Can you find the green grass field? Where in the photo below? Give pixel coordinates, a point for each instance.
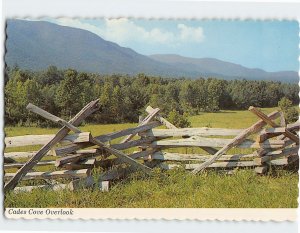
(176, 188)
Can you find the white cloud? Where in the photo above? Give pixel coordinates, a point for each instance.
(190, 33)
(124, 30)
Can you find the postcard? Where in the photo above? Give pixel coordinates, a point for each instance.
(127, 118)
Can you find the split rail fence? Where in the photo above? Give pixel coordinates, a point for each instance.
(154, 140)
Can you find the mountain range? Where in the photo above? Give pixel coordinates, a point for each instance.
(35, 45)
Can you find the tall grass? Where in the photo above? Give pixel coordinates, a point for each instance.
(175, 189)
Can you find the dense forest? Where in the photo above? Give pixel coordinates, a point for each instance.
(123, 98)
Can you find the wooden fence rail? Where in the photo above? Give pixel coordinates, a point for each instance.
(80, 152)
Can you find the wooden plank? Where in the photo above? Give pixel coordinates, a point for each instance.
(29, 154)
(52, 175)
(276, 154)
(261, 170)
(120, 146)
(105, 138)
(167, 156)
(162, 120)
(70, 126)
(213, 165)
(81, 183)
(129, 131)
(72, 186)
(116, 161)
(189, 132)
(261, 152)
(86, 164)
(126, 159)
(31, 140)
(18, 165)
(269, 121)
(85, 112)
(294, 126)
(270, 133)
(104, 186)
(236, 141)
(284, 161)
(17, 155)
(215, 142)
(53, 187)
(144, 122)
(282, 120)
(277, 162)
(169, 125)
(51, 117)
(73, 158)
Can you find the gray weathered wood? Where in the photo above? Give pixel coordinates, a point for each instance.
(30, 140)
(120, 146)
(86, 164)
(17, 154)
(282, 120)
(53, 187)
(72, 186)
(72, 158)
(108, 137)
(277, 162)
(116, 161)
(126, 159)
(215, 142)
(284, 161)
(162, 120)
(294, 126)
(144, 122)
(270, 133)
(261, 169)
(52, 175)
(51, 117)
(236, 141)
(81, 183)
(167, 156)
(213, 165)
(18, 165)
(189, 132)
(169, 125)
(85, 112)
(269, 121)
(141, 118)
(261, 152)
(129, 131)
(104, 186)
(29, 154)
(276, 154)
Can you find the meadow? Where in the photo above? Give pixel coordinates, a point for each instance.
(172, 189)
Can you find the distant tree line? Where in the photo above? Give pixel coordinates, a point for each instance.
(123, 98)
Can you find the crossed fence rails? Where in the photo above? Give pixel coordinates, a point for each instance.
(77, 154)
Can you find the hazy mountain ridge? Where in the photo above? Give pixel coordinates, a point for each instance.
(212, 66)
(35, 45)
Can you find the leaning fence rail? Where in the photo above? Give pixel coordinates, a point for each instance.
(74, 156)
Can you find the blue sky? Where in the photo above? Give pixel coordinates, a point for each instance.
(269, 45)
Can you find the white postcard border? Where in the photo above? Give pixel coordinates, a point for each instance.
(221, 214)
(285, 11)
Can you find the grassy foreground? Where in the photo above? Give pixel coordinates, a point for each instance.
(177, 188)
